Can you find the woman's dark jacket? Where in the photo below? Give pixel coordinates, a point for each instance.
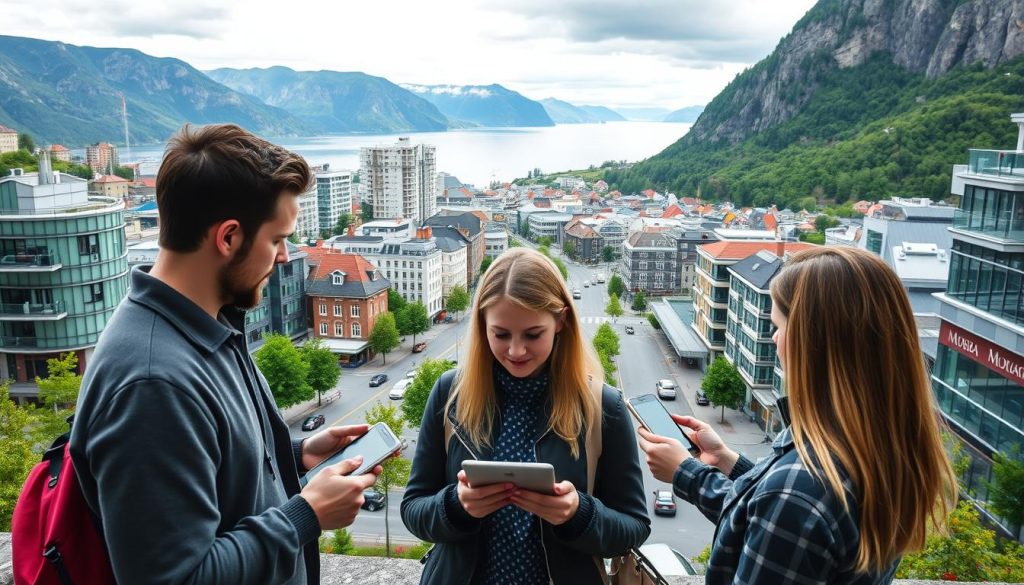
(605, 525)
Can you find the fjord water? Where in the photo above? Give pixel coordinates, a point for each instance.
(477, 155)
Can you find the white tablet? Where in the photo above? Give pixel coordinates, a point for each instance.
(536, 477)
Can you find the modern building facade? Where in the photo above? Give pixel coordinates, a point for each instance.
(287, 294)
(549, 224)
(906, 220)
(401, 180)
(63, 269)
(471, 224)
(978, 376)
(454, 250)
(748, 335)
(307, 223)
(690, 234)
(495, 242)
(334, 197)
(346, 295)
(102, 157)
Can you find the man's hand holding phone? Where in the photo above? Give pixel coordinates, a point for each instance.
(335, 496)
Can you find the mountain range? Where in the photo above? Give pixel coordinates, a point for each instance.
(565, 113)
(483, 105)
(862, 99)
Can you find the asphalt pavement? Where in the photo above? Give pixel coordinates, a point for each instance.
(645, 358)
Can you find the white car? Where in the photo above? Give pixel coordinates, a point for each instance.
(411, 374)
(668, 561)
(586, 284)
(576, 294)
(397, 391)
(666, 389)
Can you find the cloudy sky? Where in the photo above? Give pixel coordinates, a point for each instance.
(624, 53)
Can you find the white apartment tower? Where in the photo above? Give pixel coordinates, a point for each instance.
(401, 180)
(334, 197)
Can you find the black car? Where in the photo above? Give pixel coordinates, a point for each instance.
(372, 500)
(313, 422)
(702, 398)
(629, 330)
(378, 380)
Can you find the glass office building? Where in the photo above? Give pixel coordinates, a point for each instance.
(63, 270)
(978, 376)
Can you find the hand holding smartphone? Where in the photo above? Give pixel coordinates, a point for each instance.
(375, 446)
(652, 414)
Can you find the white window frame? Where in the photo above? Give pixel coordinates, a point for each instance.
(357, 330)
(339, 329)
(323, 328)
(337, 309)
(354, 310)
(323, 309)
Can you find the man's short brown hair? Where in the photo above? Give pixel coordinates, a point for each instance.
(218, 172)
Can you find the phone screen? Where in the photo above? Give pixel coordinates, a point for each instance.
(652, 413)
(375, 446)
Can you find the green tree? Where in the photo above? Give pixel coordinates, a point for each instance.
(639, 302)
(616, 286)
(562, 268)
(25, 142)
(608, 254)
(396, 302)
(546, 241)
(824, 222)
(969, 552)
(413, 320)
(1006, 492)
(723, 385)
(365, 212)
(344, 220)
(323, 371)
(569, 249)
(16, 456)
(606, 340)
(285, 370)
(81, 171)
(653, 320)
(416, 394)
(396, 469)
(485, 264)
(614, 308)
(126, 173)
(294, 238)
(813, 238)
(609, 368)
(458, 300)
(337, 542)
(59, 389)
(384, 335)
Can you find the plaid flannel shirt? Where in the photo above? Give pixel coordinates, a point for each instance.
(776, 522)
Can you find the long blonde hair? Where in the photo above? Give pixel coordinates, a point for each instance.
(531, 280)
(859, 391)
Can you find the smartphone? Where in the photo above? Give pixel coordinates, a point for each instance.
(536, 477)
(375, 446)
(651, 413)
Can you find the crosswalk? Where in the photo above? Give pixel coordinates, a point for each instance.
(595, 320)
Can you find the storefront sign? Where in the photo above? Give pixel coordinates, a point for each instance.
(1000, 360)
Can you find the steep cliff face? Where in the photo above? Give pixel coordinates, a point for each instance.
(924, 36)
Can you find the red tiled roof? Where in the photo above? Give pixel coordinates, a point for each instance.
(58, 148)
(147, 182)
(740, 250)
(327, 260)
(770, 223)
(691, 201)
(6, 130)
(672, 211)
(110, 179)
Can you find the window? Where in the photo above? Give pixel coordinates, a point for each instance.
(323, 309)
(96, 292)
(643, 266)
(356, 330)
(88, 245)
(339, 329)
(354, 312)
(874, 242)
(337, 309)
(338, 278)
(323, 328)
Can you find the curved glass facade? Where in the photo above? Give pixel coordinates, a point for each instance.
(62, 274)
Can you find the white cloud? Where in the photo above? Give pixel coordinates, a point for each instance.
(668, 53)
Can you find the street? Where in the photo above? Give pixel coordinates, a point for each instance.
(644, 358)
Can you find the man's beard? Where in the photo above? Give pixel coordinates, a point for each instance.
(239, 294)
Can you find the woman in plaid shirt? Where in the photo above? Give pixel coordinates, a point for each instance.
(860, 473)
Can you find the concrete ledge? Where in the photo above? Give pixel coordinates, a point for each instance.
(343, 570)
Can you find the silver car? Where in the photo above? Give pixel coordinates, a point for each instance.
(666, 389)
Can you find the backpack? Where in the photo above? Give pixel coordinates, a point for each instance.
(54, 538)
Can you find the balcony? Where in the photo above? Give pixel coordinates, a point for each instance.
(46, 344)
(30, 263)
(1007, 164)
(32, 311)
(1006, 227)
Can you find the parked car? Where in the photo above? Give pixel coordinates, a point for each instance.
(629, 330)
(586, 284)
(372, 500)
(419, 347)
(664, 503)
(576, 294)
(378, 380)
(411, 373)
(666, 389)
(313, 422)
(397, 391)
(668, 561)
(702, 399)
(600, 278)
